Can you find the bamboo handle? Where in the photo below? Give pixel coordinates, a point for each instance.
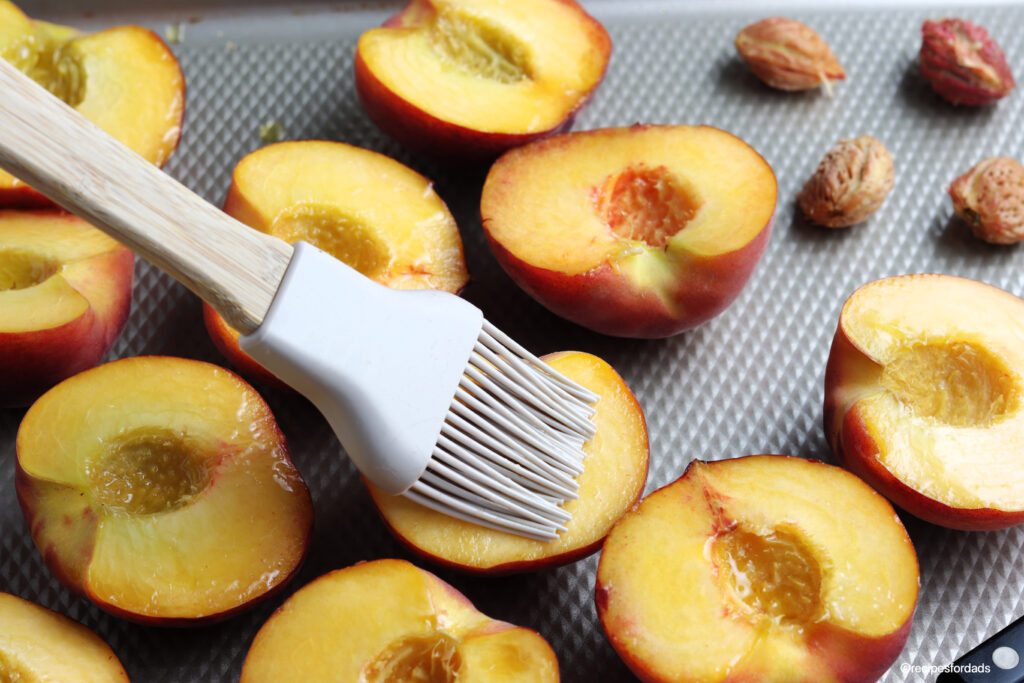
(69, 159)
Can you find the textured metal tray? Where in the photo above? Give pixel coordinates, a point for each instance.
(749, 381)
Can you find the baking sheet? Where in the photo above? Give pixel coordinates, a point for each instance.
(749, 381)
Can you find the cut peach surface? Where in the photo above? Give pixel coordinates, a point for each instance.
(365, 209)
(65, 294)
(123, 79)
(38, 645)
(615, 471)
(762, 568)
(643, 231)
(162, 490)
(923, 397)
(468, 79)
(387, 621)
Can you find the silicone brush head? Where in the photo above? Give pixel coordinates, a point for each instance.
(512, 443)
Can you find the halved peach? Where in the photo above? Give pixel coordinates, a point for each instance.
(636, 232)
(763, 568)
(365, 209)
(464, 80)
(385, 621)
(162, 490)
(65, 294)
(924, 397)
(123, 79)
(37, 644)
(615, 471)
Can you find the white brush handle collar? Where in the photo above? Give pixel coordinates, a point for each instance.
(343, 341)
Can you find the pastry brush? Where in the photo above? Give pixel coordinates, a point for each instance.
(428, 399)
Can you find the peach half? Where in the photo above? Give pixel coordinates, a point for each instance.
(65, 294)
(386, 620)
(763, 568)
(37, 644)
(464, 80)
(123, 79)
(643, 231)
(365, 209)
(162, 490)
(615, 471)
(924, 397)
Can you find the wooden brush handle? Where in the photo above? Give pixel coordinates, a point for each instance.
(54, 149)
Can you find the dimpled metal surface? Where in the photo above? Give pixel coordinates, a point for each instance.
(749, 381)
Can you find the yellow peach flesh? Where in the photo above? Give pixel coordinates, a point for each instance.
(342, 199)
(43, 51)
(14, 26)
(816, 545)
(867, 541)
(945, 408)
(38, 645)
(102, 76)
(42, 259)
(55, 64)
(419, 625)
(498, 654)
(149, 125)
(181, 462)
(615, 470)
(670, 564)
(499, 67)
(28, 309)
(690, 190)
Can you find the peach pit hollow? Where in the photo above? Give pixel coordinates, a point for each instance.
(772, 574)
(958, 383)
(429, 658)
(147, 471)
(11, 670)
(478, 47)
(53, 64)
(343, 236)
(644, 204)
(21, 269)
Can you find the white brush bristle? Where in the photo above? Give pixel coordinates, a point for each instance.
(512, 443)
